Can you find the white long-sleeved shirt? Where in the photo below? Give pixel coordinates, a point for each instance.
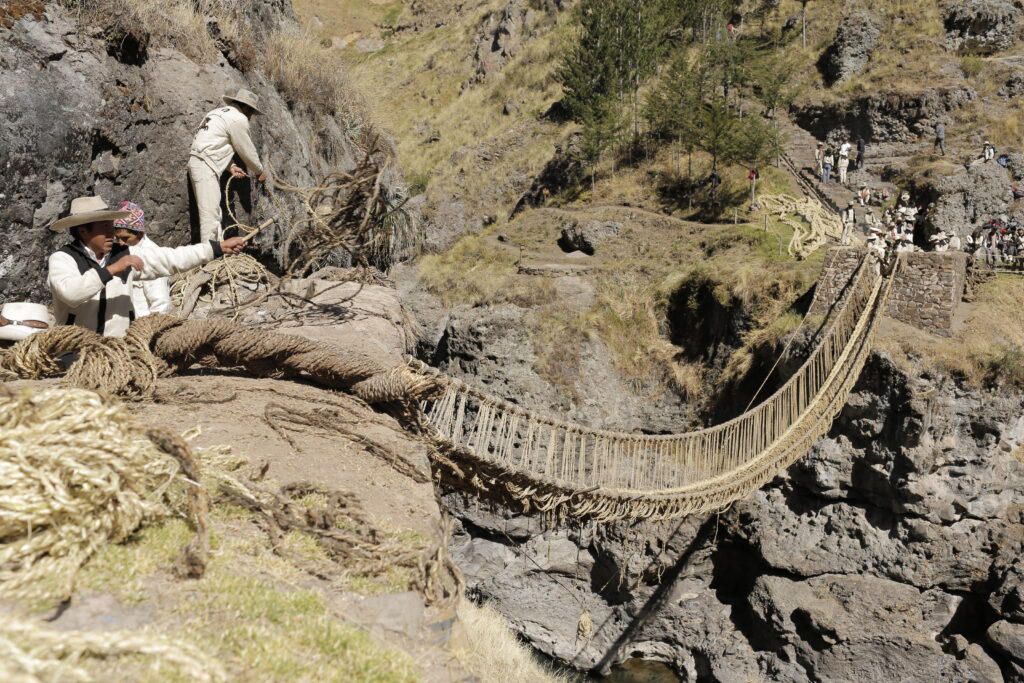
(224, 132)
(86, 294)
(150, 296)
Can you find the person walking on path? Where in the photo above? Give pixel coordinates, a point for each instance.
(819, 155)
(860, 154)
(223, 133)
(940, 138)
(148, 296)
(91, 278)
(849, 217)
(844, 159)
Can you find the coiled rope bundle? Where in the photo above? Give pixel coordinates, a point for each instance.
(76, 473)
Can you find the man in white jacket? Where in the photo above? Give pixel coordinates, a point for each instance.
(91, 279)
(148, 296)
(223, 133)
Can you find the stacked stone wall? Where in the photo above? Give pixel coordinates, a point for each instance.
(925, 294)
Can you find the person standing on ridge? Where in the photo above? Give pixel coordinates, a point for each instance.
(819, 155)
(860, 153)
(988, 151)
(223, 133)
(827, 160)
(940, 138)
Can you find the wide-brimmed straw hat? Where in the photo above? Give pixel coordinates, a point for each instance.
(87, 210)
(246, 97)
(22, 319)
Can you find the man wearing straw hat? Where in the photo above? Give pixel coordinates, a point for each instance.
(91, 278)
(223, 133)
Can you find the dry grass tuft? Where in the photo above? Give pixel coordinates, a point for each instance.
(493, 654)
(305, 72)
(988, 348)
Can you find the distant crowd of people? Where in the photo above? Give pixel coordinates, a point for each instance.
(903, 226)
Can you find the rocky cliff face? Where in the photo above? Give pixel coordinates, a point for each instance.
(890, 552)
(111, 110)
(884, 117)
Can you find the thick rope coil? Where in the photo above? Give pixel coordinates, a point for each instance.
(823, 223)
(77, 472)
(159, 345)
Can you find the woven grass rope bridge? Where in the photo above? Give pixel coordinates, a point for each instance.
(492, 447)
(509, 452)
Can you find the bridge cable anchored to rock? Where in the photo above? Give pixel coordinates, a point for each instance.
(492, 447)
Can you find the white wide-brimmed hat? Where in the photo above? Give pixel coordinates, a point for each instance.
(246, 97)
(87, 210)
(939, 236)
(22, 319)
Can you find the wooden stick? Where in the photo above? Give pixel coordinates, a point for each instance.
(258, 229)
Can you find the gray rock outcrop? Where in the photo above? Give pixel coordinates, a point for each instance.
(892, 551)
(981, 25)
(1014, 85)
(971, 197)
(885, 117)
(500, 37)
(586, 237)
(98, 110)
(850, 52)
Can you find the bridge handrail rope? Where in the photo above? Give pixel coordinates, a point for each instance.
(569, 469)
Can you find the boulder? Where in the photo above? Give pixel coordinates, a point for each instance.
(500, 37)
(971, 197)
(981, 25)
(586, 237)
(1014, 85)
(851, 50)
(832, 624)
(1009, 639)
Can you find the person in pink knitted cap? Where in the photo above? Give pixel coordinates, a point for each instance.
(148, 296)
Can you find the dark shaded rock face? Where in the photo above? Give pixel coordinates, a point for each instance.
(884, 117)
(892, 551)
(981, 25)
(851, 50)
(491, 348)
(87, 113)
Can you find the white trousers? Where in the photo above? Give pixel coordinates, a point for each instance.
(844, 163)
(206, 186)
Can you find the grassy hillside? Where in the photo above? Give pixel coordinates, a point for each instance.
(481, 140)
